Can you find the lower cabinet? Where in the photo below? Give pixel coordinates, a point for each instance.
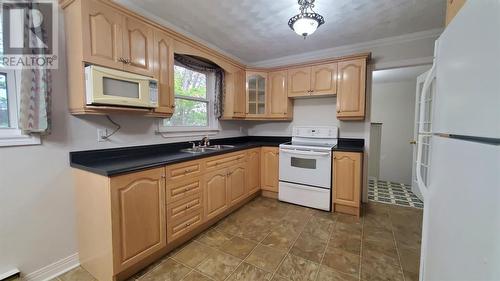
(269, 168)
(138, 216)
(216, 193)
(253, 171)
(347, 177)
(236, 183)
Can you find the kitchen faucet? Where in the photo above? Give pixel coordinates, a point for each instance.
(205, 141)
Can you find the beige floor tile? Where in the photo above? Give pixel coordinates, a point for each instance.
(351, 244)
(196, 276)
(347, 228)
(386, 247)
(280, 239)
(379, 256)
(169, 270)
(214, 238)
(77, 274)
(309, 247)
(218, 265)
(298, 269)
(238, 247)
(266, 258)
(341, 260)
(193, 254)
(410, 259)
(248, 272)
(377, 233)
(349, 219)
(329, 274)
(410, 276)
(374, 270)
(279, 278)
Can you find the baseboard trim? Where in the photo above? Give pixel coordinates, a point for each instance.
(55, 269)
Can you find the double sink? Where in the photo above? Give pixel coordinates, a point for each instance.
(203, 149)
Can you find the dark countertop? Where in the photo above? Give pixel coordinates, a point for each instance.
(114, 161)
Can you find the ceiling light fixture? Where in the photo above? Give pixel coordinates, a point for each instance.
(307, 21)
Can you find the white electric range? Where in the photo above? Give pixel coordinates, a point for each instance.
(305, 167)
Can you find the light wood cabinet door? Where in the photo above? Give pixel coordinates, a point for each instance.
(324, 79)
(164, 72)
(253, 171)
(216, 193)
(256, 88)
(270, 168)
(239, 94)
(138, 46)
(236, 178)
(347, 175)
(102, 30)
(278, 96)
(299, 81)
(138, 216)
(351, 90)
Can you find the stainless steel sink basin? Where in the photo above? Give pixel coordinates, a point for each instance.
(219, 146)
(207, 148)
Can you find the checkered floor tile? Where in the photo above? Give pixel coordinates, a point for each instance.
(393, 193)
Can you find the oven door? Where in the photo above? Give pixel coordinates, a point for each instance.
(313, 168)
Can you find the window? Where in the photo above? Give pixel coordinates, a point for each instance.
(194, 96)
(9, 95)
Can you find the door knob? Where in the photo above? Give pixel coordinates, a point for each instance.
(413, 142)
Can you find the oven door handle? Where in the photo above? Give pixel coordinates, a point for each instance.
(308, 153)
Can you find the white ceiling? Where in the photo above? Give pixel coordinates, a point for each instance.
(399, 74)
(257, 30)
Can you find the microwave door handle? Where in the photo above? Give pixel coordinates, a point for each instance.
(308, 153)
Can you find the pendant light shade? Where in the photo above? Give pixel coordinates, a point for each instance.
(306, 23)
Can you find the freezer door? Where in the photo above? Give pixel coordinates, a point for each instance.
(461, 228)
(468, 73)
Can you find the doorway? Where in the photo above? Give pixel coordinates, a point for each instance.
(392, 136)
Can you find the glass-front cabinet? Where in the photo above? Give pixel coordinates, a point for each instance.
(256, 93)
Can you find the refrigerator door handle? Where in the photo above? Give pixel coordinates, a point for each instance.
(421, 133)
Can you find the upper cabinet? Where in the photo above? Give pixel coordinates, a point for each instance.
(102, 29)
(351, 90)
(114, 40)
(235, 97)
(452, 8)
(316, 80)
(280, 105)
(256, 93)
(164, 72)
(138, 46)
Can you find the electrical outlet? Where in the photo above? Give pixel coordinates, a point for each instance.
(101, 135)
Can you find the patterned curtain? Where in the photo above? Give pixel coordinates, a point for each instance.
(202, 65)
(36, 92)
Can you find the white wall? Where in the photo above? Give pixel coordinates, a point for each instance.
(393, 105)
(37, 215)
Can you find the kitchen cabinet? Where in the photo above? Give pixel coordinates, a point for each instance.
(351, 89)
(102, 30)
(452, 8)
(138, 46)
(269, 168)
(347, 177)
(236, 179)
(216, 193)
(138, 216)
(164, 72)
(316, 80)
(279, 104)
(235, 97)
(256, 87)
(253, 171)
(114, 40)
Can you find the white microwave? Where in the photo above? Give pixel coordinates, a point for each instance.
(106, 86)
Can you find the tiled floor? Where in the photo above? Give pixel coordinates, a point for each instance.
(393, 193)
(270, 240)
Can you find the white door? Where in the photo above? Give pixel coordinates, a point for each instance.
(427, 104)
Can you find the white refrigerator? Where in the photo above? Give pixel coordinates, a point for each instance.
(461, 227)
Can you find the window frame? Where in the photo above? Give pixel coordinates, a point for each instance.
(13, 136)
(212, 127)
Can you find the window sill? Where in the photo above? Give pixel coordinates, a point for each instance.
(14, 137)
(170, 132)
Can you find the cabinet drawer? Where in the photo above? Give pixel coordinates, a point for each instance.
(224, 161)
(179, 190)
(183, 170)
(177, 228)
(181, 208)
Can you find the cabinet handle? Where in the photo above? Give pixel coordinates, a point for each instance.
(187, 207)
(163, 176)
(186, 189)
(121, 60)
(188, 224)
(187, 171)
(128, 61)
